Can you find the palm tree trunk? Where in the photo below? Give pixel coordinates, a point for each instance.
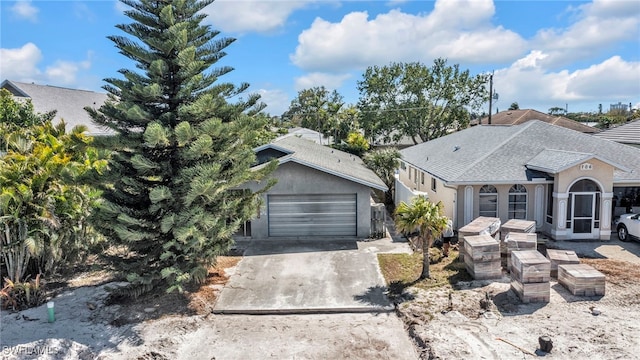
(425, 259)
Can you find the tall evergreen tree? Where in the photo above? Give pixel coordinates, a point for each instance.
(183, 150)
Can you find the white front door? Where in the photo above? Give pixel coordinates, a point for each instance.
(583, 219)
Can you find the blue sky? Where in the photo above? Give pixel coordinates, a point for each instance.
(543, 53)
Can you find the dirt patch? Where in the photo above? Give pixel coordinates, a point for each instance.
(485, 319)
(196, 300)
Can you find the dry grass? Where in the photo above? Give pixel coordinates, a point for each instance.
(402, 270)
(202, 299)
(616, 271)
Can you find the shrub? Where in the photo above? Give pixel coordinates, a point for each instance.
(22, 295)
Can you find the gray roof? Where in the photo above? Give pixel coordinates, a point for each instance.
(69, 103)
(518, 153)
(628, 133)
(325, 159)
(309, 135)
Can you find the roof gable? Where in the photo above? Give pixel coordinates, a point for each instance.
(555, 161)
(325, 159)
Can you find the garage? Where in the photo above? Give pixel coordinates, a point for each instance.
(312, 215)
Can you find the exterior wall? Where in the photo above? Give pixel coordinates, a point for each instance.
(462, 203)
(420, 182)
(469, 210)
(298, 179)
(599, 172)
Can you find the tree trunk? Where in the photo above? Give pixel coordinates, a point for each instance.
(425, 259)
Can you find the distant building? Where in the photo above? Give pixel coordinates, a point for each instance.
(620, 108)
(68, 103)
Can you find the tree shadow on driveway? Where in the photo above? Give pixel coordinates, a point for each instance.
(375, 296)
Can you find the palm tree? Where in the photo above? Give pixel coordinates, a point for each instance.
(427, 218)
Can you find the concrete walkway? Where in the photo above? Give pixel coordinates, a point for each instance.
(295, 277)
(610, 249)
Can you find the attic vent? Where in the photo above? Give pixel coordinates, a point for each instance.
(456, 148)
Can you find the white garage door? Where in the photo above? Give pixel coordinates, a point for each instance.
(312, 215)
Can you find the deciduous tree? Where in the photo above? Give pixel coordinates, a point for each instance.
(420, 102)
(384, 163)
(316, 108)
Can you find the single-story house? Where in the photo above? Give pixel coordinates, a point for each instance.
(570, 183)
(628, 133)
(321, 193)
(520, 116)
(69, 103)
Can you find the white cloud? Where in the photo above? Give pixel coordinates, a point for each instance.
(531, 61)
(277, 101)
(316, 79)
(20, 64)
(82, 12)
(610, 81)
(460, 31)
(24, 10)
(65, 72)
(599, 25)
(611, 78)
(244, 16)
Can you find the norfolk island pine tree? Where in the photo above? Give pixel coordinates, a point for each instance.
(182, 151)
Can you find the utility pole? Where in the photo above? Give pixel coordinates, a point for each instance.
(490, 95)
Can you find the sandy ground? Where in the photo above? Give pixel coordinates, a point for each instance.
(600, 327)
(82, 333)
(442, 324)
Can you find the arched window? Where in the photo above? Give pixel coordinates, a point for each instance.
(488, 201)
(518, 202)
(584, 185)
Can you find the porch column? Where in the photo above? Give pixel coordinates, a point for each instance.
(538, 208)
(605, 215)
(468, 204)
(561, 215)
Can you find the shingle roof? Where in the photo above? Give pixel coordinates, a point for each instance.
(309, 135)
(517, 117)
(628, 133)
(69, 103)
(326, 159)
(554, 161)
(495, 154)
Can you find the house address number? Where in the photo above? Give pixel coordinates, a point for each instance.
(586, 166)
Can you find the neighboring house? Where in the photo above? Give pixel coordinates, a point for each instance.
(308, 134)
(570, 183)
(69, 103)
(517, 117)
(321, 193)
(628, 133)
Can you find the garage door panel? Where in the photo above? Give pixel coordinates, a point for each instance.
(312, 215)
(313, 230)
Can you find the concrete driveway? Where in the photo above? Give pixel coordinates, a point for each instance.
(308, 277)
